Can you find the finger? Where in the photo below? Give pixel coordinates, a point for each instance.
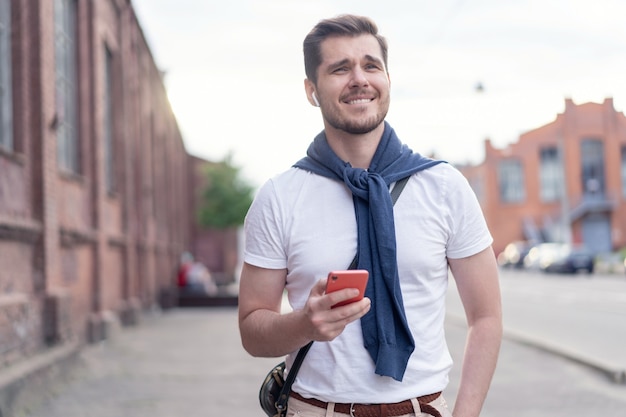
(336, 319)
(342, 296)
(319, 287)
(342, 315)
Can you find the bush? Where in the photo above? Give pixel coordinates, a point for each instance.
(226, 199)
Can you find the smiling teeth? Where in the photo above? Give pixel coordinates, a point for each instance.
(360, 101)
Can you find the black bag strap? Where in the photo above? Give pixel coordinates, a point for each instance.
(283, 397)
(281, 402)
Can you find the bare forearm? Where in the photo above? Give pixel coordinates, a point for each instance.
(266, 333)
(479, 363)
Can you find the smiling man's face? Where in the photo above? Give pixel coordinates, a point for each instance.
(352, 84)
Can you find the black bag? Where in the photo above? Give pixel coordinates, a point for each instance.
(270, 390)
(275, 390)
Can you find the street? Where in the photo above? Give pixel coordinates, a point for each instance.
(190, 361)
(547, 317)
(580, 316)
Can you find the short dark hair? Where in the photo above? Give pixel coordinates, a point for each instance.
(343, 25)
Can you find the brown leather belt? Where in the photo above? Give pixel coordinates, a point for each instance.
(377, 410)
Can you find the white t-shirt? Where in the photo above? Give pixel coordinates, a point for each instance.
(306, 223)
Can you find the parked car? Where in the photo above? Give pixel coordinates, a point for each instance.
(514, 254)
(539, 255)
(563, 258)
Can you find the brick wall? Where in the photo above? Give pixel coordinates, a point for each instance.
(73, 251)
(578, 122)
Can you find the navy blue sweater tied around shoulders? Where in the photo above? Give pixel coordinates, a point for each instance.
(386, 333)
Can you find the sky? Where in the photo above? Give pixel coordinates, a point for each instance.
(234, 71)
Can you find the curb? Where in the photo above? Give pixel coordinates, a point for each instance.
(613, 372)
(22, 383)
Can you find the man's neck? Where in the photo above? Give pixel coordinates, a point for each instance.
(357, 149)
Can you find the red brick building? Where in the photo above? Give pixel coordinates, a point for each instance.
(217, 249)
(96, 187)
(563, 182)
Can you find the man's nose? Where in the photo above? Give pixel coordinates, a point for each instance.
(359, 78)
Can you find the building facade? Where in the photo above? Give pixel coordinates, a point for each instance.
(95, 181)
(562, 182)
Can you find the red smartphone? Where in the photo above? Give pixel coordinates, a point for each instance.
(351, 278)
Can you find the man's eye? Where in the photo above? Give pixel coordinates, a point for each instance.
(340, 69)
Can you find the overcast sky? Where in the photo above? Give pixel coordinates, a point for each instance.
(234, 70)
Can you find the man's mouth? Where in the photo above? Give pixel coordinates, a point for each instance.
(360, 101)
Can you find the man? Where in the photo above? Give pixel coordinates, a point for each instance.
(386, 354)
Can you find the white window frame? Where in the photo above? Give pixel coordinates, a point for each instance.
(623, 170)
(66, 84)
(108, 120)
(511, 181)
(6, 95)
(550, 175)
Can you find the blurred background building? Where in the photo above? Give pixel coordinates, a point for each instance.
(562, 182)
(97, 191)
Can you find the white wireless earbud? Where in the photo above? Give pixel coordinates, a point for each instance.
(317, 103)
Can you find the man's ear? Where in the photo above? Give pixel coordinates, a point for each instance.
(315, 100)
(309, 88)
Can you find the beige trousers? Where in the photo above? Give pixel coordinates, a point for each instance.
(297, 408)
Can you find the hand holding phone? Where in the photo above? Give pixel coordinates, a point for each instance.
(352, 278)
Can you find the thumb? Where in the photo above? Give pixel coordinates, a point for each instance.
(319, 288)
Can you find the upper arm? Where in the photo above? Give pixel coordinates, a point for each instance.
(260, 289)
(478, 284)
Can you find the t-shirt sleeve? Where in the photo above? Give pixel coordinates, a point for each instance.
(470, 234)
(263, 234)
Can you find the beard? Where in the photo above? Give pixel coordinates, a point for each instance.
(356, 125)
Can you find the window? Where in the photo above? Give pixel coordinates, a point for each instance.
(6, 106)
(550, 175)
(66, 84)
(623, 171)
(511, 181)
(108, 128)
(592, 155)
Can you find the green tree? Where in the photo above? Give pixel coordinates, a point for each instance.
(226, 198)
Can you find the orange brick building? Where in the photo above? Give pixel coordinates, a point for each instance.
(97, 192)
(562, 182)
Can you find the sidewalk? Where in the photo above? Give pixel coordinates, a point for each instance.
(194, 354)
(190, 363)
